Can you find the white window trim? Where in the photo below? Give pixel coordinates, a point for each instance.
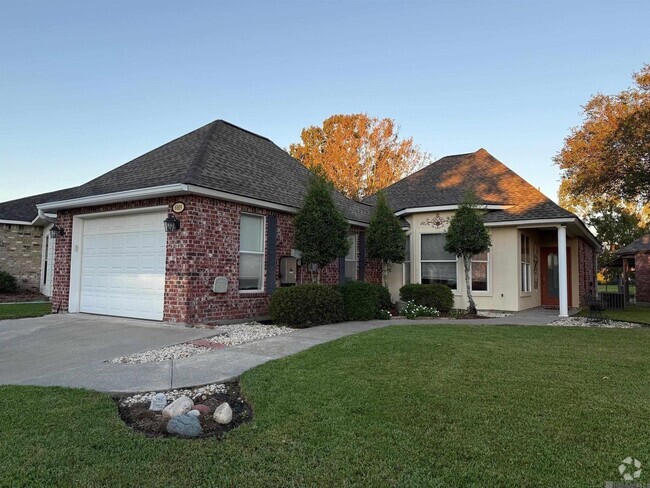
(487, 292)
(529, 292)
(355, 243)
(457, 290)
(263, 254)
(409, 263)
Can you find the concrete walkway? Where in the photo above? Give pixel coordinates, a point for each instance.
(86, 367)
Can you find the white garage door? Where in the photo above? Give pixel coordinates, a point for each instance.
(123, 265)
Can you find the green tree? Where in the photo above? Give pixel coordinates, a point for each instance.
(607, 158)
(320, 228)
(616, 226)
(386, 240)
(466, 237)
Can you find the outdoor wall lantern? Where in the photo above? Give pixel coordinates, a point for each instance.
(56, 231)
(172, 223)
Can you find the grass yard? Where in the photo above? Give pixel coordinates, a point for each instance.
(409, 405)
(634, 313)
(22, 310)
(614, 289)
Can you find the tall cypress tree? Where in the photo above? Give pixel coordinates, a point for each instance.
(321, 229)
(466, 237)
(385, 238)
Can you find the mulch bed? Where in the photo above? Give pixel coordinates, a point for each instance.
(23, 296)
(152, 424)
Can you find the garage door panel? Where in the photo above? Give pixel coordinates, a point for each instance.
(123, 266)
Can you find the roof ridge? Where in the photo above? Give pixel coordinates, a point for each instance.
(244, 130)
(197, 163)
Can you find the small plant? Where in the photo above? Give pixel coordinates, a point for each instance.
(457, 313)
(384, 315)
(413, 311)
(8, 283)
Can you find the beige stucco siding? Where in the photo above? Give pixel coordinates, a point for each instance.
(504, 268)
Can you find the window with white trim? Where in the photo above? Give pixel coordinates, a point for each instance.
(251, 252)
(407, 261)
(480, 275)
(436, 264)
(525, 263)
(351, 260)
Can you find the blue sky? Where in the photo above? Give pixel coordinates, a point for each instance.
(86, 86)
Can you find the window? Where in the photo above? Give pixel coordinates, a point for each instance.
(407, 261)
(351, 259)
(251, 252)
(437, 265)
(525, 263)
(480, 270)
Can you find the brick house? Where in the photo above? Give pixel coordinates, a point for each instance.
(234, 194)
(637, 255)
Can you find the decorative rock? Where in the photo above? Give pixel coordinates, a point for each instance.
(194, 413)
(180, 406)
(223, 414)
(158, 402)
(184, 426)
(204, 409)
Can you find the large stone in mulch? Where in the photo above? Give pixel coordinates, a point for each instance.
(180, 406)
(184, 426)
(158, 402)
(223, 414)
(204, 409)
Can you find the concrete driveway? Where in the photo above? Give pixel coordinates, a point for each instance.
(55, 345)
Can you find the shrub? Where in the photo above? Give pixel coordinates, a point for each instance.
(8, 283)
(365, 301)
(413, 311)
(437, 296)
(307, 305)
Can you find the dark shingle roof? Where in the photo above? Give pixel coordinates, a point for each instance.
(640, 245)
(224, 157)
(445, 181)
(24, 209)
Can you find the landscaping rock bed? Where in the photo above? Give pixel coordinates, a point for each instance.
(199, 422)
(585, 322)
(226, 335)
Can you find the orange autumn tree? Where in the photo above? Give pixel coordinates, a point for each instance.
(359, 154)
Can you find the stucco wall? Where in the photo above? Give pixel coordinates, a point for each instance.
(20, 254)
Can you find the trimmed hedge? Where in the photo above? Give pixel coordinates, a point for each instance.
(308, 305)
(438, 296)
(8, 283)
(364, 301)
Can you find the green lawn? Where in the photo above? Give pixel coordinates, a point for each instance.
(21, 310)
(633, 313)
(409, 405)
(614, 289)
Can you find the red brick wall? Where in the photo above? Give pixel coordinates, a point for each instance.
(642, 273)
(587, 266)
(206, 246)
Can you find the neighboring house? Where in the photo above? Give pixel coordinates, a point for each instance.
(637, 255)
(234, 194)
(26, 250)
(541, 255)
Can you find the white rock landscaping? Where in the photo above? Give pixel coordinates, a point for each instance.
(225, 335)
(197, 394)
(223, 414)
(180, 406)
(585, 322)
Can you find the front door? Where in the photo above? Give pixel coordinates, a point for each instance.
(550, 274)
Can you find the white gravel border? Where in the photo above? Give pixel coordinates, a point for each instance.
(585, 322)
(228, 335)
(196, 394)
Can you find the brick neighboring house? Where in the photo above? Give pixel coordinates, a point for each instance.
(637, 255)
(26, 251)
(234, 194)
